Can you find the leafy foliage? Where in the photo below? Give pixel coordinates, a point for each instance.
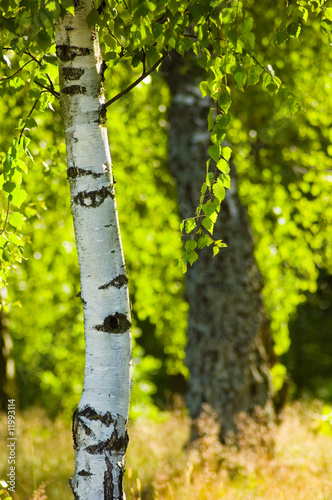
(220, 34)
(287, 189)
(283, 164)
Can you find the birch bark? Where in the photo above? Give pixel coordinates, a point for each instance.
(100, 421)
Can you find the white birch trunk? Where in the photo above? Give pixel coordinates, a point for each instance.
(100, 421)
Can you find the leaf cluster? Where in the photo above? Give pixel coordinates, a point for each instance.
(11, 174)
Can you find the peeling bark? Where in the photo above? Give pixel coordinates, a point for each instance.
(229, 350)
(100, 421)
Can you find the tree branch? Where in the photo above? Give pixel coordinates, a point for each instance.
(7, 217)
(51, 90)
(16, 72)
(31, 111)
(136, 82)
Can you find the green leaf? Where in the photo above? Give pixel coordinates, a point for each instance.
(3, 240)
(233, 36)
(248, 24)
(254, 75)
(93, 18)
(17, 197)
(215, 251)
(223, 166)
(192, 257)
(204, 241)
(240, 78)
(220, 244)
(190, 225)
(226, 180)
(14, 238)
(69, 6)
(271, 88)
(281, 37)
(208, 224)
(226, 152)
(328, 13)
(44, 41)
(16, 220)
(7, 164)
(210, 118)
(225, 101)
(249, 42)
(222, 121)
(219, 190)
(294, 29)
(21, 166)
(9, 186)
(190, 245)
(214, 152)
(208, 208)
(204, 88)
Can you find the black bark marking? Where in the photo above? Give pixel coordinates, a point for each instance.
(120, 480)
(103, 68)
(117, 323)
(91, 414)
(74, 90)
(74, 428)
(102, 116)
(96, 449)
(118, 443)
(108, 481)
(67, 53)
(118, 282)
(114, 443)
(93, 198)
(72, 73)
(77, 421)
(74, 172)
(79, 295)
(84, 473)
(71, 484)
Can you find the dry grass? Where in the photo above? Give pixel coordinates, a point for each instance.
(161, 467)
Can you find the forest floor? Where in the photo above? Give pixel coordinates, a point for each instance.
(161, 467)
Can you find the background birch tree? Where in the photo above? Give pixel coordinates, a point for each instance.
(229, 352)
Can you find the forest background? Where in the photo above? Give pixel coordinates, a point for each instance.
(283, 156)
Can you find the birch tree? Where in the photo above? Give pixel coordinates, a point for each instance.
(99, 425)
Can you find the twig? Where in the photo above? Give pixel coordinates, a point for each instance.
(33, 57)
(31, 111)
(136, 82)
(16, 72)
(6, 219)
(51, 89)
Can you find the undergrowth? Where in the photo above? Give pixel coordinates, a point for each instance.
(291, 461)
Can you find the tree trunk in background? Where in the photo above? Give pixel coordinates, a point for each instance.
(100, 421)
(229, 348)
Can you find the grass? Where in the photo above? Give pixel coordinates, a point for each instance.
(161, 467)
